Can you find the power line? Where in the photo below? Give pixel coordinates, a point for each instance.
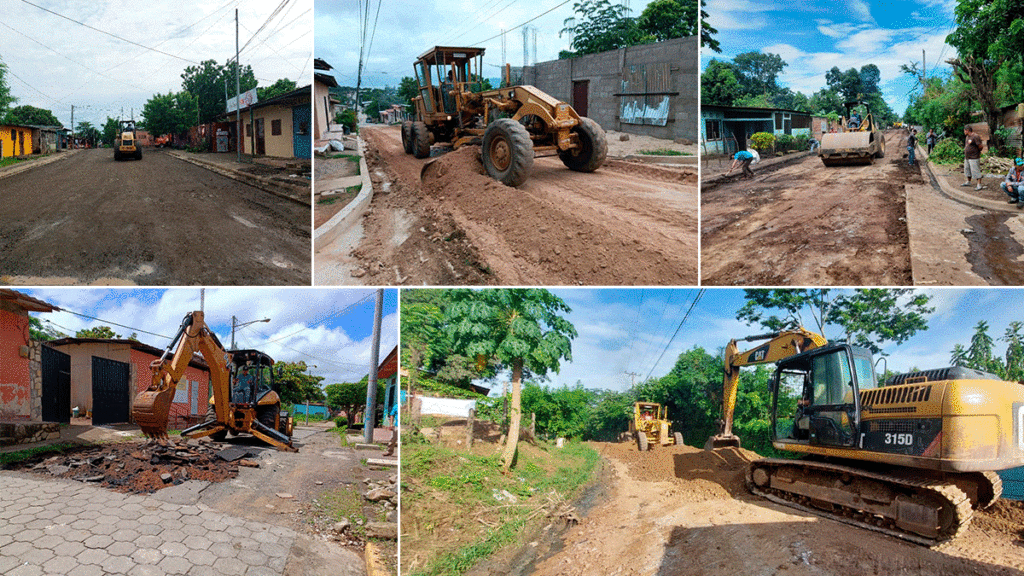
(267, 21)
(113, 323)
(681, 322)
(523, 24)
(112, 35)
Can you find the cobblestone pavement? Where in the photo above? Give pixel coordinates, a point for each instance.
(75, 529)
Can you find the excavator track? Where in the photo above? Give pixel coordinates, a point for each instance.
(924, 511)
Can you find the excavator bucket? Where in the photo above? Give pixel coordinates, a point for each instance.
(722, 441)
(151, 410)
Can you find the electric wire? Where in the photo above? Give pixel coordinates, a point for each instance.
(674, 334)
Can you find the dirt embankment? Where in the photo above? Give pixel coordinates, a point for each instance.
(808, 224)
(680, 510)
(624, 224)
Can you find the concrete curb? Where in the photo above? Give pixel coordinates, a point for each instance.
(713, 181)
(953, 193)
(355, 209)
(649, 159)
(23, 166)
(267, 185)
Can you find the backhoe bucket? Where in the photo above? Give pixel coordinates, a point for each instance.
(151, 410)
(722, 441)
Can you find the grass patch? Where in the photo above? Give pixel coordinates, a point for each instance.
(8, 458)
(349, 192)
(349, 157)
(347, 503)
(12, 160)
(664, 152)
(437, 480)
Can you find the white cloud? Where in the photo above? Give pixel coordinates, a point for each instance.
(860, 9)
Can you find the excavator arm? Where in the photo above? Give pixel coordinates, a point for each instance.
(779, 345)
(152, 406)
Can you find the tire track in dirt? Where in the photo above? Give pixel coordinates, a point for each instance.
(560, 228)
(807, 224)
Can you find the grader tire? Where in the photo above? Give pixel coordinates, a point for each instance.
(211, 416)
(507, 152)
(407, 136)
(138, 152)
(641, 440)
(679, 438)
(593, 147)
(420, 140)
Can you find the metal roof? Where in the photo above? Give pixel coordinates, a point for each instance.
(27, 302)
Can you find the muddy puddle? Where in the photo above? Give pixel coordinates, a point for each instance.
(994, 253)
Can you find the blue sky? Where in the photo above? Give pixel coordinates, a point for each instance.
(408, 28)
(626, 330)
(306, 324)
(814, 36)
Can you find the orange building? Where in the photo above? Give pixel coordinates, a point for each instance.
(20, 393)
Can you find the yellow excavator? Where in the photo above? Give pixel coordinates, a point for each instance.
(912, 459)
(244, 399)
(860, 141)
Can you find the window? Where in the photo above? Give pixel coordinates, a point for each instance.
(713, 130)
(275, 127)
(248, 130)
(832, 378)
(13, 136)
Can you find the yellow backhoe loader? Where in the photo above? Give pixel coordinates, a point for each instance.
(859, 142)
(244, 399)
(650, 426)
(127, 143)
(511, 124)
(911, 459)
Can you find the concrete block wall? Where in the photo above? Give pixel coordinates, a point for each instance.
(35, 371)
(604, 71)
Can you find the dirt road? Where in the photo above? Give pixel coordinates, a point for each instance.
(159, 221)
(625, 224)
(806, 224)
(680, 510)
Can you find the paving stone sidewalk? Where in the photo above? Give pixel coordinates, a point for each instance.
(75, 529)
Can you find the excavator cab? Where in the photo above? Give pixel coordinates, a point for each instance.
(252, 377)
(816, 395)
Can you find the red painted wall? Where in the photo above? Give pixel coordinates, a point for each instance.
(143, 377)
(15, 383)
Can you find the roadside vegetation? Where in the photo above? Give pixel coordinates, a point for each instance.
(8, 458)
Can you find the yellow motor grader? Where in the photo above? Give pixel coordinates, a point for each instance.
(127, 143)
(650, 426)
(510, 124)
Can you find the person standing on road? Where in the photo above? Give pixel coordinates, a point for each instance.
(911, 145)
(1014, 183)
(930, 140)
(972, 157)
(743, 158)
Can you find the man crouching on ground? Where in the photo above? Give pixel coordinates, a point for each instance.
(743, 158)
(1014, 183)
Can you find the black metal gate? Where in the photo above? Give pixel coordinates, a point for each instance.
(110, 391)
(56, 386)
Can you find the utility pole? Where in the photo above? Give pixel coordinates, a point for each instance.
(235, 324)
(632, 375)
(72, 126)
(238, 98)
(370, 415)
(309, 373)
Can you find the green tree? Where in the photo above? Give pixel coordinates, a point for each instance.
(97, 332)
(169, 113)
(601, 25)
(826, 101)
(31, 115)
(351, 396)
(719, 84)
(610, 415)
(295, 385)
(42, 333)
(110, 131)
(706, 31)
(5, 91)
(521, 328)
(207, 81)
(758, 72)
(282, 86)
(989, 33)
(869, 317)
(407, 90)
(667, 19)
(846, 84)
(1014, 351)
(86, 131)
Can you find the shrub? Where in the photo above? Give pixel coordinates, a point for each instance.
(762, 140)
(341, 421)
(347, 118)
(948, 151)
(801, 142)
(784, 139)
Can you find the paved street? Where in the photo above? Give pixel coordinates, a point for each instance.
(88, 219)
(75, 529)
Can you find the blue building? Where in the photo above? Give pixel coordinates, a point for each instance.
(726, 129)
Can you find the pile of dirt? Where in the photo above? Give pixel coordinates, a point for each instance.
(704, 474)
(681, 175)
(141, 468)
(528, 228)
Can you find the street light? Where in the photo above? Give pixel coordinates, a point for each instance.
(235, 324)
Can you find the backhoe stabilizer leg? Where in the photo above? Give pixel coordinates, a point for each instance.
(271, 436)
(204, 429)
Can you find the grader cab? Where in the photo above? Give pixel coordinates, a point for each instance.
(511, 124)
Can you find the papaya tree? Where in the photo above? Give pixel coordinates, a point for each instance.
(522, 328)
